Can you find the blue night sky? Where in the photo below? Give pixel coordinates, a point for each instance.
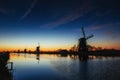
(57, 24)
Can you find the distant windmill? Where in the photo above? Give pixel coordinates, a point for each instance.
(38, 52)
(37, 49)
(82, 46)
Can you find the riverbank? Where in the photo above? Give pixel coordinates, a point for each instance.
(94, 53)
(105, 53)
(4, 73)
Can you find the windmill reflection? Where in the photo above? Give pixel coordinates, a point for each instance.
(73, 69)
(83, 58)
(83, 70)
(38, 53)
(37, 56)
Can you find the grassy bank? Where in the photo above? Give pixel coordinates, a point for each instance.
(4, 73)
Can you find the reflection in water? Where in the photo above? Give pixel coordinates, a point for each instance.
(73, 69)
(64, 55)
(82, 58)
(83, 70)
(38, 57)
(70, 67)
(94, 68)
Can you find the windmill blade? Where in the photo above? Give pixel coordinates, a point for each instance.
(83, 31)
(89, 36)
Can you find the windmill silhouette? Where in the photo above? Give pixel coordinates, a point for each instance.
(38, 52)
(82, 45)
(37, 49)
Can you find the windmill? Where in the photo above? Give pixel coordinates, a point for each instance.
(37, 49)
(38, 52)
(82, 46)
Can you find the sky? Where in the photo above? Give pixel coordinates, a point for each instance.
(56, 24)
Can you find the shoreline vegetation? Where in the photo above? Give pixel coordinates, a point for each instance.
(4, 72)
(92, 53)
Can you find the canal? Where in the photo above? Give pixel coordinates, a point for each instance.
(59, 67)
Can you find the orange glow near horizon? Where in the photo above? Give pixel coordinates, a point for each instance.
(54, 48)
(53, 45)
(106, 45)
(42, 48)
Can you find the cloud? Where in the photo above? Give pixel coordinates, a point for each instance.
(112, 34)
(97, 27)
(73, 15)
(63, 20)
(110, 30)
(28, 10)
(5, 11)
(104, 13)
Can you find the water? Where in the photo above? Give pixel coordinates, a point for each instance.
(57, 67)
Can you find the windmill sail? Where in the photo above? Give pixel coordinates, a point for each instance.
(82, 46)
(83, 32)
(89, 36)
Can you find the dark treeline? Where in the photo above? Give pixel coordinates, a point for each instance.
(98, 52)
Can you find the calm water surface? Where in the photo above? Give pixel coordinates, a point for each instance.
(57, 67)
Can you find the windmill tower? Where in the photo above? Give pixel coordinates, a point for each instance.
(37, 49)
(82, 45)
